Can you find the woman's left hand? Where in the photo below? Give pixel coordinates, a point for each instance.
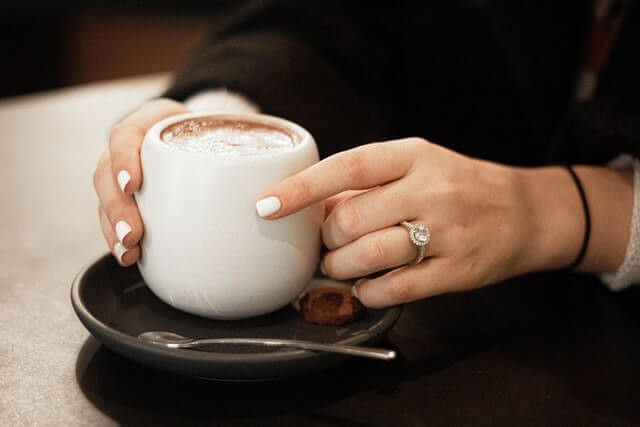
(480, 218)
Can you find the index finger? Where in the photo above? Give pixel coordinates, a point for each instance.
(126, 138)
(356, 169)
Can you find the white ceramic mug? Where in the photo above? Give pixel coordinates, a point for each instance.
(205, 250)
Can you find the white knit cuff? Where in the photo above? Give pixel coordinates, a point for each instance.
(629, 272)
(221, 101)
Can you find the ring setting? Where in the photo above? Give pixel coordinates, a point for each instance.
(420, 236)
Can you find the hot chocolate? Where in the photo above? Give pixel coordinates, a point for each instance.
(227, 137)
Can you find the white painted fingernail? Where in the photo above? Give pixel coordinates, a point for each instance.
(123, 179)
(354, 289)
(119, 251)
(268, 206)
(122, 229)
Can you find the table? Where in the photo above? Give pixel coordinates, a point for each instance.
(545, 349)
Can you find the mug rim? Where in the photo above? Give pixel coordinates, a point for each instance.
(154, 132)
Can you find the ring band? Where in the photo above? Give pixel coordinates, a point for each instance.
(420, 236)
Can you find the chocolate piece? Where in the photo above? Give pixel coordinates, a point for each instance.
(331, 306)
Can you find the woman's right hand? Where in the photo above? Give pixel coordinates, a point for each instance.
(118, 175)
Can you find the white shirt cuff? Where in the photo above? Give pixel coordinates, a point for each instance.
(629, 272)
(221, 101)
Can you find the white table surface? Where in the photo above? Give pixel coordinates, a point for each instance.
(49, 146)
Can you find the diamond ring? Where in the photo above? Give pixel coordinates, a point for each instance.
(420, 236)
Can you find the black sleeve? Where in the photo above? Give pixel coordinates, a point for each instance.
(302, 63)
(597, 131)
(337, 67)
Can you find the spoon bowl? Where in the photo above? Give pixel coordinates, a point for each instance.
(169, 339)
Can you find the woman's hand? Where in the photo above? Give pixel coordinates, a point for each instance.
(484, 222)
(118, 175)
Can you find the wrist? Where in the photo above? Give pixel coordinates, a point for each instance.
(610, 196)
(555, 218)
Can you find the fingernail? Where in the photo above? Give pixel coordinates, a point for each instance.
(354, 288)
(322, 269)
(119, 251)
(268, 206)
(123, 179)
(122, 229)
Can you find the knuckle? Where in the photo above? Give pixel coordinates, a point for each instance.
(124, 131)
(98, 173)
(96, 177)
(347, 219)
(300, 191)
(353, 163)
(417, 141)
(115, 212)
(448, 189)
(374, 255)
(400, 288)
(460, 231)
(424, 147)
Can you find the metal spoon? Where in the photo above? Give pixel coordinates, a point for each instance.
(173, 340)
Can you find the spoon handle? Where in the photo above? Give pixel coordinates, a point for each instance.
(375, 353)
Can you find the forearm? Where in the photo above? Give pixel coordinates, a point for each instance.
(557, 217)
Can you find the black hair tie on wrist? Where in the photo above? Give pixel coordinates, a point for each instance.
(587, 217)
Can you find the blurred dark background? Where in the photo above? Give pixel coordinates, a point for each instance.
(47, 45)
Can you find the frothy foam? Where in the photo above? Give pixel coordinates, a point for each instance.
(226, 137)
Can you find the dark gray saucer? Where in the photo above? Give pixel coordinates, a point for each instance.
(115, 305)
